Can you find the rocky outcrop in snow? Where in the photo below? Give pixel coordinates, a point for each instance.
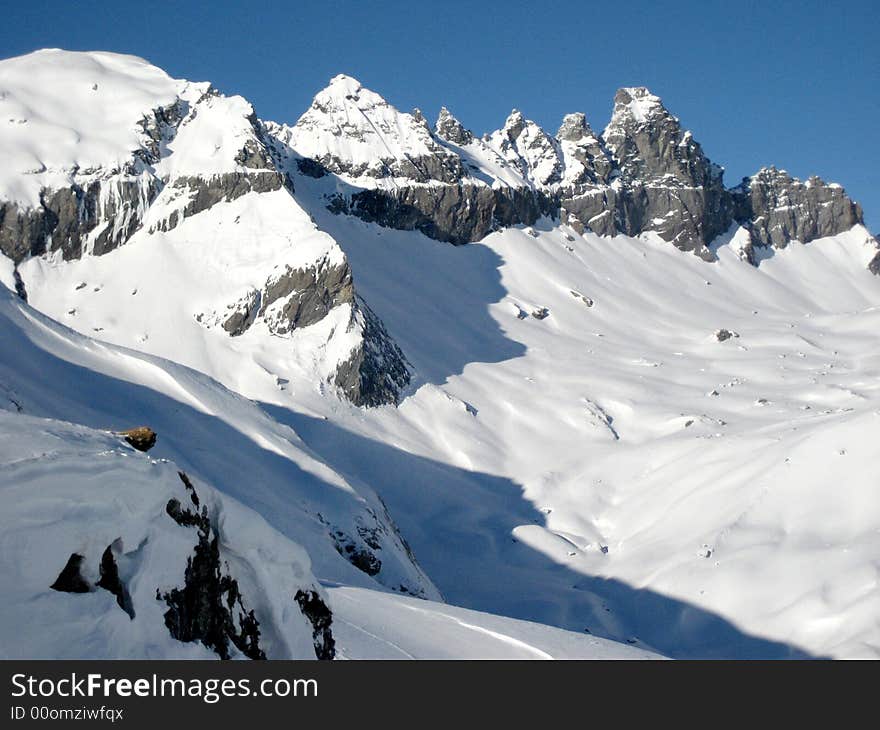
(377, 371)
(779, 208)
(397, 172)
(209, 606)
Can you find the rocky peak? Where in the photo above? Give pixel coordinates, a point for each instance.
(514, 125)
(584, 157)
(528, 148)
(341, 88)
(354, 132)
(636, 105)
(450, 129)
(649, 143)
(574, 128)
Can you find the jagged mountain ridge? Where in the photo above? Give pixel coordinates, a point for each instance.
(175, 150)
(644, 173)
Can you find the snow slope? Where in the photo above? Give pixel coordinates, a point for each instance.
(69, 488)
(614, 466)
(211, 433)
(63, 112)
(370, 625)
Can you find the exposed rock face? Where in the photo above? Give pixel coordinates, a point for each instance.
(666, 183)
(449, 128)
(94, 216)
(361, 558)
(70, 579)
(20, 289)
(780, 208)
(585, 157)
(317, 612)
(110, 581)
(298, 298)
(377, 370)
(244, 312)
(644, 173)
(457, 214)
(209, 607)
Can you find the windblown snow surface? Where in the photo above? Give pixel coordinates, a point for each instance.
(69, 488)
(608, 469)
(614, 467)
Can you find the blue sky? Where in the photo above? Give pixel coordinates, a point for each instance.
(795, 84)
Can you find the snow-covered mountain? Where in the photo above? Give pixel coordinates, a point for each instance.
(571, 420)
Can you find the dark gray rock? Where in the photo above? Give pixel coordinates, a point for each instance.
(458, 214)
(778, 208)
(110, 581)
(360, 557)
(65, 218)
(159, 126)
(321, 618)
(666, 183)
(20, 290)
(70, 579)
(587, 149)
(450, 129)
(648, 143)
(377, 370)
(244, 313)
(209, 607)
(254, 156)
(310, 294)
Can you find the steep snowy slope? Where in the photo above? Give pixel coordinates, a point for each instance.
(111, 553)
(213, 435)
(107, 154)
(131, 578)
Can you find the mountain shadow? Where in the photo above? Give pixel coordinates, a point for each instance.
(459, 524)
(409, 279)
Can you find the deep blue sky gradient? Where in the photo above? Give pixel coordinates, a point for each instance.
(795, 84)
